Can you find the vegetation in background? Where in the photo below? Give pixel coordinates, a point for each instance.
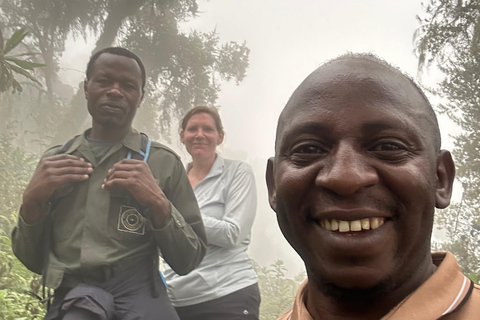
(449, 37)
(277, 291)
(11, 65)
(184, 68)
(19, 288)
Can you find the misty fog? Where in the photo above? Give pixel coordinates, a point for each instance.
(288, 40)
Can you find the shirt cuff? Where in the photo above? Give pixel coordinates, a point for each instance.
(175, 220)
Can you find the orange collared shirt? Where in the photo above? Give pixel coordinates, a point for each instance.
(447, 294)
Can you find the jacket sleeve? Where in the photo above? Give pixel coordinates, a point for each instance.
(240, 210)
(28, 241)
(182, 241)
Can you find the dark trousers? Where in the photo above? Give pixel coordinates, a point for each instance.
(243, 304)
(129, 296)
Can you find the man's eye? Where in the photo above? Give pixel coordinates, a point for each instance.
(306, 154)
(391, 151)
(103, 82)
(309, 149)
(130, 87)
(388, 146)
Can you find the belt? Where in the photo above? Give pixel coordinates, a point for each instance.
(98, 275)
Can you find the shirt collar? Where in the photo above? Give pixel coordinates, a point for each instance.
(217, 167)
(132, 140)
(448, 285)
(215, 170)
(299, 311)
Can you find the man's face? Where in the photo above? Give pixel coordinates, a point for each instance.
(114, 91)
(354, 180)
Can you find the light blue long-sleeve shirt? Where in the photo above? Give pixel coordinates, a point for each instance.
(227, 198)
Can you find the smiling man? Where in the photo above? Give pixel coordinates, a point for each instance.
(99, 209)
(357, 174)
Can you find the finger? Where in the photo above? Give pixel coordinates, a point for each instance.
(130, 166)
(133, 175)
(117, 183)
(130, 161)
(69, 170)
(66, 162)
(68, 178)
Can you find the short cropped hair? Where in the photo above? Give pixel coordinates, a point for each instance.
(120, 52)
(390, 68)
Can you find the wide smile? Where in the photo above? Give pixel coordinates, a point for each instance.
(352, 226)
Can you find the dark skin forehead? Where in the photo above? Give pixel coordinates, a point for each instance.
(366, 80)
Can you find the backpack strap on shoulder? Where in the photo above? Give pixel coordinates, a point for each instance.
(145, 146)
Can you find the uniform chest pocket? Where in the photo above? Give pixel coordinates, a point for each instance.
(125, 219)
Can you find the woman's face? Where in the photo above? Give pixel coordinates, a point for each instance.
(201, 136)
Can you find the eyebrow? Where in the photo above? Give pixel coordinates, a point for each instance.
(368, 128)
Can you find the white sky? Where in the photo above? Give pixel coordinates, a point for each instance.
(288, 39)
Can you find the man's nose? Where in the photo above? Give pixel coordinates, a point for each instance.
(115, 90)
(347, 171)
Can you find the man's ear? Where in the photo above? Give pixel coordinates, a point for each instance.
(85, 84)
(270, 177)
(445, 177)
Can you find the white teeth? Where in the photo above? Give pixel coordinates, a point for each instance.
(328, 225)
(334, 225)
(365, 224)
(357, 225)
(343, 226)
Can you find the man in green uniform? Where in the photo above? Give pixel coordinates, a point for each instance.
(98, 210)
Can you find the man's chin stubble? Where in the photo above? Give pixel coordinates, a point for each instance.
(357, 298)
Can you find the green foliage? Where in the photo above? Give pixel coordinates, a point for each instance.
(277, 291)
(450, 35)
(183, 68)
(18, 286)
(11, 64)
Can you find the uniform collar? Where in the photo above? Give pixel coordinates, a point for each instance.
(132, 141)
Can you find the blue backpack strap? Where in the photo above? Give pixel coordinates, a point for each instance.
(145, 146)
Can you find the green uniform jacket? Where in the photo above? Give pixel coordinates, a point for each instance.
(84, 222)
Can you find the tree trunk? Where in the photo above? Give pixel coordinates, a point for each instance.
(75, 117)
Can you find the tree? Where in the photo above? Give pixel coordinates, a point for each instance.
(450, 36)
(184, 68)
(13, 64)
(277, 291)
